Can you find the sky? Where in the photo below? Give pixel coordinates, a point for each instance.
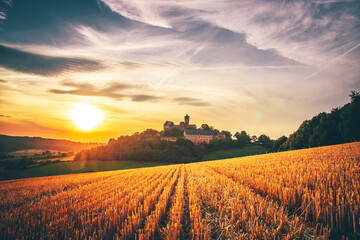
(254, 65)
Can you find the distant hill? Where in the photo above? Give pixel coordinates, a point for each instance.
(11, 144)
(342, 125)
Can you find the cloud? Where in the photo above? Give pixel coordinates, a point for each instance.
(130, 65)
(228, 48)
(111, 91)
(20, 127)
(4, 116)
(192, 37)
(190, 101)
(5, 5)
(301, 30)
(143, 97)
(121, 91)
(143, 11)
(333, 61)
(3, 81)
(52, 22)
(27, 62)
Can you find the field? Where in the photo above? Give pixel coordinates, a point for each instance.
(249, 149)
(70, 167)
(304, 194)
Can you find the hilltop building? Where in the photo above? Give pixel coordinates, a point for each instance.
(198, 136)
(190, 132)
(168, 124)
(181, 125)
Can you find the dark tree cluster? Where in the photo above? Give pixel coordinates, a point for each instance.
(342, 125)
(173, 132)
(145, 147)
(148, 147)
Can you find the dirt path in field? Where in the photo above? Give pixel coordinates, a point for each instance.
(186, 220)
(159, 233)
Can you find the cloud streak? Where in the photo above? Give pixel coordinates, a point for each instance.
(334, 60)
(191, 101)
(5, 5)
(120, 91)
(27, 62)
(111, 91)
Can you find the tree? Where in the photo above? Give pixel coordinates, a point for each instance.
(151, 132)
(205, 126)
(277, 143)
(254, 139)
(242, 137)
(173, 132)
(339, 126)
(354, 96)
(215, 131)
(227, 134)
(265, 140)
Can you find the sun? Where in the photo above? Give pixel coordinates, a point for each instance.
(85, 116)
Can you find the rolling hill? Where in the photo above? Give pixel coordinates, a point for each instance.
(11, 144)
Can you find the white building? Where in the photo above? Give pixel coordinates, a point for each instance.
(198, 136)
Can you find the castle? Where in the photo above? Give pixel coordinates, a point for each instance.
(182, 125)
(190, 132)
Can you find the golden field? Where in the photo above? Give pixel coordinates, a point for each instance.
(304, 194)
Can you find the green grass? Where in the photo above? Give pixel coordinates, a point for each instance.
(41, 157)
(62, 168)
(247, 150)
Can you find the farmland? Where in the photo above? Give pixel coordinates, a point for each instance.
(306, 194)
(247, 150)
(70, 167)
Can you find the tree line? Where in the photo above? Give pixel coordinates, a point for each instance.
(144, 147)
(341, 125)
(147, 146)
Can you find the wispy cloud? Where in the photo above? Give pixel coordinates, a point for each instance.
(111, 91)
(27, 62)
(191, 101)
(5, 5)
(143, 11)
(332, 61)
(121, 91)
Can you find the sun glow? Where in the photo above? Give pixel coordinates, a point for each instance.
(85, 116)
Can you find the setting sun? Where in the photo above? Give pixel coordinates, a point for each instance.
(85, 116)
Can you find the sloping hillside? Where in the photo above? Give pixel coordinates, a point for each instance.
(12, 144)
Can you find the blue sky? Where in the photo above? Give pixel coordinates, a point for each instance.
(259, 66)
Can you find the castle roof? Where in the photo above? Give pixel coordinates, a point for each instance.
(197, 132)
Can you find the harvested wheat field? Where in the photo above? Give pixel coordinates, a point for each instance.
(304, 194)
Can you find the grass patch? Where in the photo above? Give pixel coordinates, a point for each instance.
(247, 150)
(62, 168)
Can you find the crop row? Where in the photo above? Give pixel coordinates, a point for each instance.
(305, 194)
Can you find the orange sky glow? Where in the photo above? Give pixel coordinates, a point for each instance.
(259, 66)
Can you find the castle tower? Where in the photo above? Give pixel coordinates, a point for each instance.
(187, 120)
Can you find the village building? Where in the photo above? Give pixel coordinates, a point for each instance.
(219, 136)
(190, 132)
(168, 124)
(198, 136)
(181, 125)
(170, 139)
